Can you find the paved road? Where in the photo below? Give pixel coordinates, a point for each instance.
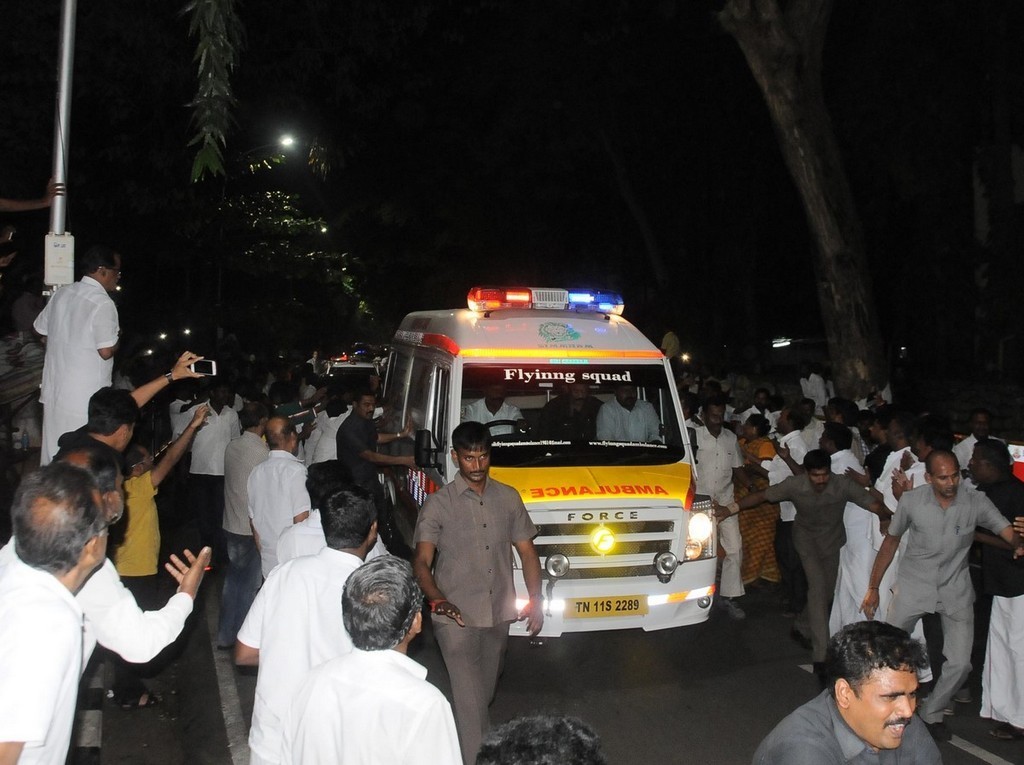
(704, 694)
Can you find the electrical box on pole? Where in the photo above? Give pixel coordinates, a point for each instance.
(59, 261)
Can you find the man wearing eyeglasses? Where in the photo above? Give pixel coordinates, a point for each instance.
(80, 328)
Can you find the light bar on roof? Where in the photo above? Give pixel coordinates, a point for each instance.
(484, 299)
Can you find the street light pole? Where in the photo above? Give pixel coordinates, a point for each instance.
(59, 263)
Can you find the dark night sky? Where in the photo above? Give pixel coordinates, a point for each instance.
(475, 143)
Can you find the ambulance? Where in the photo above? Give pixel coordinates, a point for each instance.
(624, 539)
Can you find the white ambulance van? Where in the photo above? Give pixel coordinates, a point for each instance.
(624, 539)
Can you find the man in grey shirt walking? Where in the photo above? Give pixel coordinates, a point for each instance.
(933, 577)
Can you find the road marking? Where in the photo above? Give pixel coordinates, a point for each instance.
(230, 706)
(977, 751)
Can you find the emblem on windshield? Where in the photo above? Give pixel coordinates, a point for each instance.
(554, 331)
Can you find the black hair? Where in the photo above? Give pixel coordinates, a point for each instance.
(817, 459)
(720, 400)
(846, 409)
(324, 478)
(542, 740)
(251, 414)
(133, 455)
(471, 435)
(839, 435)
(54, 514)
(96, 257)
(798, 417)
(99, 461)
(760, 423)
(380, 602)
(996, 454)
(347, 515)
(904, 421)
(109, 409)
(979, 410)
(860, 648)
(934, 430)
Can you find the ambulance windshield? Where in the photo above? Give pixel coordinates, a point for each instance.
(574, 413)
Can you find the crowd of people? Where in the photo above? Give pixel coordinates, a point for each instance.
(857, 514)
(862, 518)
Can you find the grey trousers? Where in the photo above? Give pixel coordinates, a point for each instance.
(957, 640)
(474, 657)
(821, 565)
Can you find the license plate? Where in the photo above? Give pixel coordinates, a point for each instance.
(620, 605)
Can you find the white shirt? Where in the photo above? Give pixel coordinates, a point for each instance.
(40, 663)
(323, 443)
(179, 419)
(716, 457)
(79, 319)
(964, 450)
(813, 387)
(307, 538)
(778, 470)
(240, 457)
(884, 486)
(616, 423)
(212, 439)
(113, 617)
(370, 708)
(277, 493)
(478, 412)
(856, 519)
(812, 433)
(772, 417)
(296, 623)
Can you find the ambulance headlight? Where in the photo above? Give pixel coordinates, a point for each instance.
(699, 528)
(557, 566)
(665, 564)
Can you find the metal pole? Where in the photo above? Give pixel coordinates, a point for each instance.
(62, 118)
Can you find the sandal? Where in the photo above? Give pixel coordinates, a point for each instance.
(144, 700)
(1006, 732)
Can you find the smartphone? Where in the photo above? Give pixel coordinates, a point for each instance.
(207, 367)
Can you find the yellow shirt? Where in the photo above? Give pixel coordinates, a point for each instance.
(139, 553)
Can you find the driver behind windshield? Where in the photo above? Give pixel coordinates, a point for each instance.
(571, 415)
(626, 418)
(492, 407)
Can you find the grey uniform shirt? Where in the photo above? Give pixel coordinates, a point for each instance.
(473, 535)
(819, 515)
(816, 734)
(933, 568)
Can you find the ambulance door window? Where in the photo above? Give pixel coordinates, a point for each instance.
(439, 401)
(418, 405)
(399, 371)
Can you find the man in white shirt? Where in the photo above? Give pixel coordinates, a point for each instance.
(244, 573)
(980, 423)
(626, 418)
(295, 623)
(812, 384)
(80, 328)
(307, 537)
(206, 472)
(811, 431)
(62, 538)
(719, 461)
(856, 555)
(759, 406)
(322, 445)
(277, 490)
(373, 705)
(493, 407)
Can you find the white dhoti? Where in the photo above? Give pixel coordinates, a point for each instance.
(1002, 680)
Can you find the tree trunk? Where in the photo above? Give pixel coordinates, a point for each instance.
(783, 49)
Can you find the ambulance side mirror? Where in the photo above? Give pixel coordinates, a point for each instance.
(426, 450)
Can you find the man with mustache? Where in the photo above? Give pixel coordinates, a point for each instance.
(866, 712)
